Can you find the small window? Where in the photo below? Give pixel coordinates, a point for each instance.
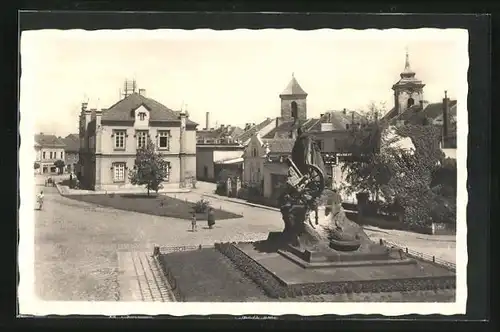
(142, 139)
(119, 172)
(119, 139)
(43, 155)
(142, 116)
(62, 156)
(294, 110)
(411, 102)
(164, 139)
(347, 126)
(254, 152)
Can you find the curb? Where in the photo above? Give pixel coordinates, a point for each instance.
(90, 192)
(223, 198)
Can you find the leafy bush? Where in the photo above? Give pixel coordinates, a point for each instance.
(36, 165)
(201, 206)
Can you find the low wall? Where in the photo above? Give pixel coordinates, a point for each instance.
(444, 229)
(381, 222)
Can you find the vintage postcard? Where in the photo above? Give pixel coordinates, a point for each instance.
(216, 172)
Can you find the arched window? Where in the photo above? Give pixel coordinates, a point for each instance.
(294, 109)
(411, 102)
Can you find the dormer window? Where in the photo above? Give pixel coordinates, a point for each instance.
(142, 116)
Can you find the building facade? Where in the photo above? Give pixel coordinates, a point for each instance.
(48, 150)
(109, 139)
(71, 152)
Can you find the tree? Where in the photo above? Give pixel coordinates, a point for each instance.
(150, 169)
(60, 166)
(36, 165)
(367, 169)
(393, 172)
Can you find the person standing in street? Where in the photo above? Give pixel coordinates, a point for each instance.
(211, 218)
(39, 200)
(193, 222)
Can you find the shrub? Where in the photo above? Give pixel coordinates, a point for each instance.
(201, 206)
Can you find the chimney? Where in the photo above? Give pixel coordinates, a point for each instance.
(344, 111)
(446, 112)
(207, 120)
(352, 117)
(98, 117)
(142, 92)
(277, 123)
(84, 106)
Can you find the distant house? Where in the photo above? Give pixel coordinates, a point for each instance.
(265, 165)
(110, 139)
(71, 149)
(218, 149)
(48, 149)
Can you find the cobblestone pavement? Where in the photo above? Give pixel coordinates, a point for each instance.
(77, 243)
(140, 278)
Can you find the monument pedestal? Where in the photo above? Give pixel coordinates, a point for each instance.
(284, 270)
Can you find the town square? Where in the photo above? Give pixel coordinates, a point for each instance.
(149, 188)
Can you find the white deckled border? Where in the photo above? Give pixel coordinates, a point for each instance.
(30, 305)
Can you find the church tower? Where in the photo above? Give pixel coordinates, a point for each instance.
(409, 90)
(293, 102)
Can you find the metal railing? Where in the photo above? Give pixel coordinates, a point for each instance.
(422, 256)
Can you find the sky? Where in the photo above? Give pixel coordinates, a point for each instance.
(235, 75)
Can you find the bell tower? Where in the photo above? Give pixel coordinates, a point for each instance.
(409, 90)
(293, 102)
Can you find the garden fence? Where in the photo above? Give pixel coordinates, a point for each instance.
(422, 256)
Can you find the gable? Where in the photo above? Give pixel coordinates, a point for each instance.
(122, 111)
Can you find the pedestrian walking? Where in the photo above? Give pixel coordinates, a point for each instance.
(211, 218)
(193, 222)
(39, 200)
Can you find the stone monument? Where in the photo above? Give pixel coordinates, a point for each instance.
(320, 250)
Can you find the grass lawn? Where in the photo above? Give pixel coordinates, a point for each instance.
(207, 275)
(157, 205)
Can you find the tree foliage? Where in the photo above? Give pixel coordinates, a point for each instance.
(36, 165)
(150, 169)
(60, 165)
(407, 177)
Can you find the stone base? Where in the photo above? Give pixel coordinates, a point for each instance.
(323, 256)
(331, 258)
(282, 273)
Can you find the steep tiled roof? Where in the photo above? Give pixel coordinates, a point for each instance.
(338, 119)
(432, 111)
(255, 129)
(284, 129)
(436, 109)
(49, 141)
(279, 145)
(220, 132)
(120, 111)
(293, 89)
(72, 142)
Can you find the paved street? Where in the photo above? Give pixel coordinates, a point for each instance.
(76, 243)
